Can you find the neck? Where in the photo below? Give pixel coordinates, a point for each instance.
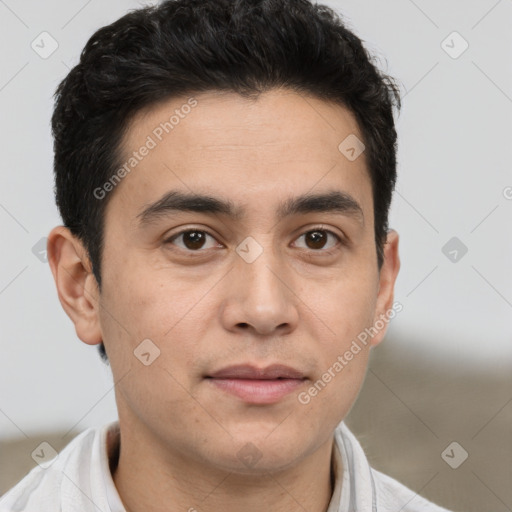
(150, 477)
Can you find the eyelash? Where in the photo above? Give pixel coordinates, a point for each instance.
(327, 252)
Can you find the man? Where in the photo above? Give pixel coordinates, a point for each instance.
(224, 170)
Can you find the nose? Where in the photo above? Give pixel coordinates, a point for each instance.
(260, 297)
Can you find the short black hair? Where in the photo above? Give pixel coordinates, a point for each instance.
(191, 46)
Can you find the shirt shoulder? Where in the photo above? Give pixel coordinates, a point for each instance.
(391, 493)
(66, 484)
(366, 488)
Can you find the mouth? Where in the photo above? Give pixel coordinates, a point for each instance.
(257, 385)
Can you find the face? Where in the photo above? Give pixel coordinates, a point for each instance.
(245, 298)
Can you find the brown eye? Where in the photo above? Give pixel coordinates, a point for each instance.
(318, 239)
(191, 239)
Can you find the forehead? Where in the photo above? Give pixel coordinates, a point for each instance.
(251, 151)
(215, 119)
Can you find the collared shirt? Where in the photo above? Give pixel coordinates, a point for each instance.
(79, 480)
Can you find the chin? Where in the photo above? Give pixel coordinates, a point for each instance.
(261, 450)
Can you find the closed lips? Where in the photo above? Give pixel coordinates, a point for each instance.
(250, 372)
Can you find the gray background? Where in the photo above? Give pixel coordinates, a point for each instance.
(454, 181)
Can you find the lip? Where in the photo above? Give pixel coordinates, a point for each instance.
(258, 385)
(247, 371)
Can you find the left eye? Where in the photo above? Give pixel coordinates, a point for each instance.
(317, 239)
(193, 239)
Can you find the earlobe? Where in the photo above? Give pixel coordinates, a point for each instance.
(387, 278)
(76, 285)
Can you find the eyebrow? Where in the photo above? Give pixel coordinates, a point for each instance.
(175, 201)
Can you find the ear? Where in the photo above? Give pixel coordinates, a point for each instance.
(76, 285)
(387, 278)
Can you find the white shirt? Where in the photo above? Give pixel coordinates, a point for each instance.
(79, 480)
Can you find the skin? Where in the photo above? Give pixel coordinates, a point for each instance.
(293, 305)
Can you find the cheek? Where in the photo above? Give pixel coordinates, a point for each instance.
(145, 303)
(331, 395)
(343, 311)
(345, 307)
(141, 308)
(342, 390)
